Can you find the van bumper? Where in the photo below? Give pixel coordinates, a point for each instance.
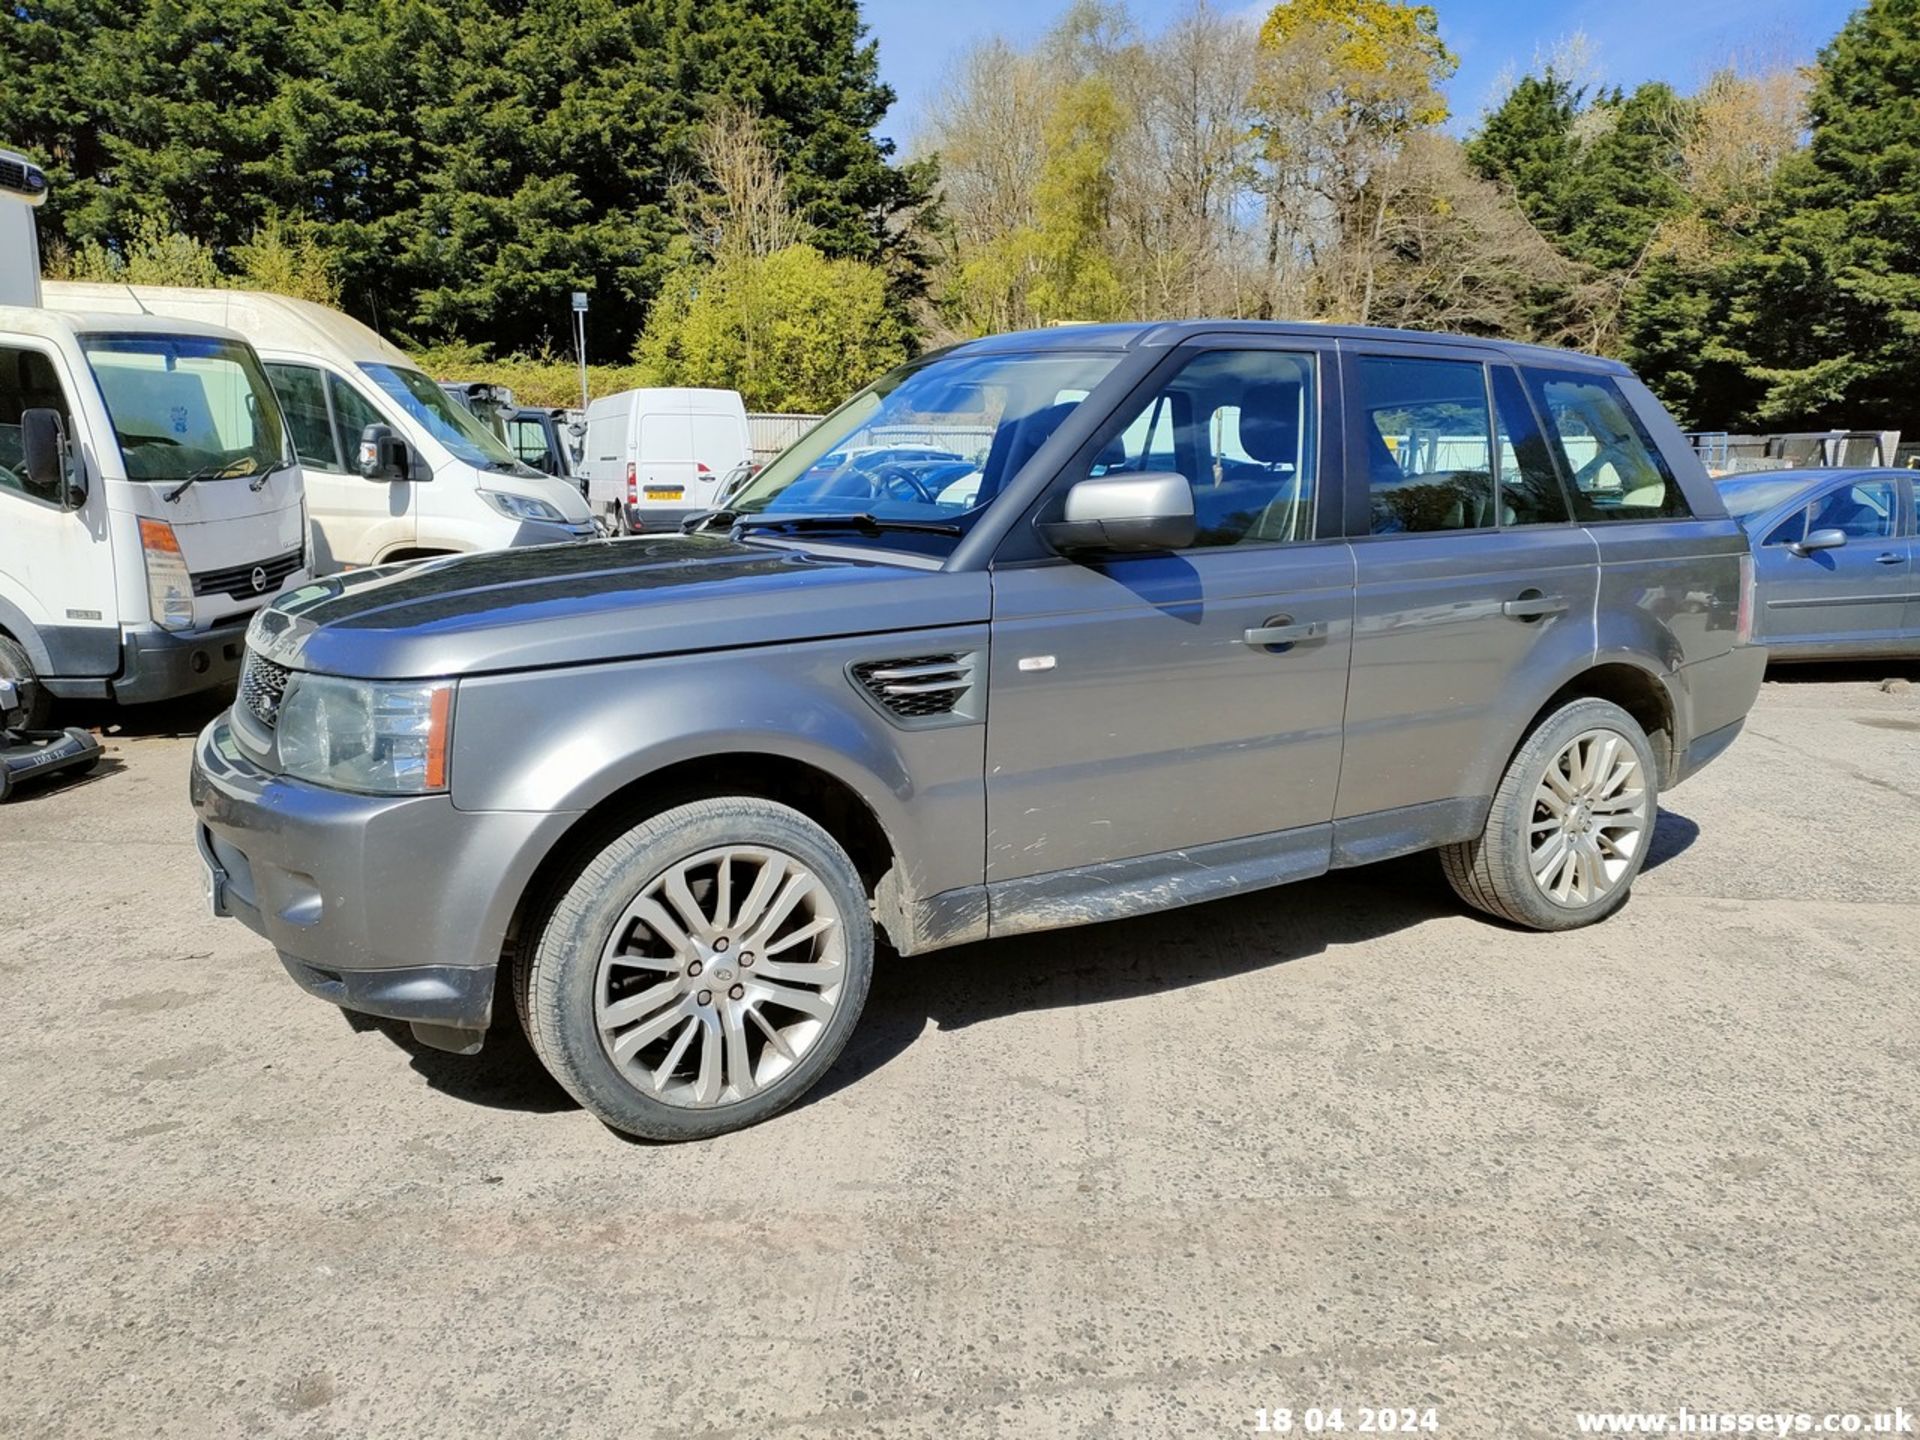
(395, 906)
(158, 664)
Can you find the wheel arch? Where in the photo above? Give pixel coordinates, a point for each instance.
(1635, 689)
(823, 797)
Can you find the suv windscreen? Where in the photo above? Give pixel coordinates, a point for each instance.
(188, 406)
(936, 441)
(463, 434)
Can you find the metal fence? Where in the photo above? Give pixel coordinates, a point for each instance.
(770, 434)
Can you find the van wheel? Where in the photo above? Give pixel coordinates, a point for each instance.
(704, 970)
(1570, 823)
(36, 705)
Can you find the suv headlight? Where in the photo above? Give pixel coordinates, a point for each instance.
(522, 507)
(377, 737)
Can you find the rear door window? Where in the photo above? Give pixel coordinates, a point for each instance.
(1530, 492)
(1427, 439)
(1617, 471)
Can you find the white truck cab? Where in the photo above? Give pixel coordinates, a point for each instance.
(150, 500)
(394, 467)
(656, 456)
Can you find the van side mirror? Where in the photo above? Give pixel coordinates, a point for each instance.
(43, 446)
(1819, 540)
(384, 456)
(1124, 513)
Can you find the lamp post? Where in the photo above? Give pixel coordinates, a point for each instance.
(580, 340)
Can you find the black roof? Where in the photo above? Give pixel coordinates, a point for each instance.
(1173, 332)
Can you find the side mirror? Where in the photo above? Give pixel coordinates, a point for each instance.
(43, 447)
(384, 456)
(1122, 513)
(1819, 540)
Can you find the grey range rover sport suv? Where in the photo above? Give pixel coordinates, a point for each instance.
(1136, 616)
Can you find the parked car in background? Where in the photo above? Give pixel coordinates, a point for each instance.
(149, 499)
(654, 457)
(394, 468)
(1835, 561)
(1231, 604)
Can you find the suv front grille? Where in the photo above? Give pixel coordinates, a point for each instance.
(922, 687)
(238, 582)
(262, 686)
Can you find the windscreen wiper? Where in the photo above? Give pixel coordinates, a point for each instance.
(707, 520)
(862, 523)
(211, 472)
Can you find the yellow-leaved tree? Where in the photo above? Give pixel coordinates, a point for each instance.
(1342, 86)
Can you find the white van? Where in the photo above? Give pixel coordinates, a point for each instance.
(394, 468)
(654, 457)
(149, 499)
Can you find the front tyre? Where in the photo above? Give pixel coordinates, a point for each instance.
(703, 971)
(1570, 824)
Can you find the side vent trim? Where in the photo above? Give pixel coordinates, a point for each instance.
(920, 691)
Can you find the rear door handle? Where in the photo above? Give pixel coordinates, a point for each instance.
(1533, 606)
(1282, 631)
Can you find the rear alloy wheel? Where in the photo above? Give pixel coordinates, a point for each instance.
(1570, 824)
(704, 970)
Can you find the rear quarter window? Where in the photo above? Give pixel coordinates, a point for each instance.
(1615, 469)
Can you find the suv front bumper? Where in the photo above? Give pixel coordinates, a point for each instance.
(396, 906)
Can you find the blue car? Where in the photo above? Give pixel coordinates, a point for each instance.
(1835, 560)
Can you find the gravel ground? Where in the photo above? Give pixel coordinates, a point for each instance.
(1338, 1144)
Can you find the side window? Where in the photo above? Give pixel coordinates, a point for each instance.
(1790, 531)
(351, 415)
(302, 391)
(1427, 443)
(1530, 492)
(1240, 425)
(1618, 472)
(529, 442)
(1867, 511)
(28, 381)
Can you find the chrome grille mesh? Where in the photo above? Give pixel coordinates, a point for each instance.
(262, 685)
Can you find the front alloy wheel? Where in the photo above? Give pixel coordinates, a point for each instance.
(720, 976)
(703, 970)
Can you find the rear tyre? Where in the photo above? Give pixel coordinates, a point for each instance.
(703, 971)
(36, 705)
(1570, 823)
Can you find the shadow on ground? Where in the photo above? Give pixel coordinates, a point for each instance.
(976, 984)
(167, 719)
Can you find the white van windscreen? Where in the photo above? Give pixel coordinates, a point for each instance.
(188, 407)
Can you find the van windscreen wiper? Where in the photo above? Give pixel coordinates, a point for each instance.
(212, 472)
(862, 523)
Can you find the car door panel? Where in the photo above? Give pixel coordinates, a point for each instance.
(1145, 706)
(1461, 629)
(1130, 715)
(1850, 599)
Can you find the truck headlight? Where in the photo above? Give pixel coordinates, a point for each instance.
(169, 586)
(522, 507)
(376, 737)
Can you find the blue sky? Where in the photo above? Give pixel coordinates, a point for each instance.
(1632, 40)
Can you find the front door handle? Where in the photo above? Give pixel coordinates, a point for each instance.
(1888, 559)
(1532, 605)
(1281, 631)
